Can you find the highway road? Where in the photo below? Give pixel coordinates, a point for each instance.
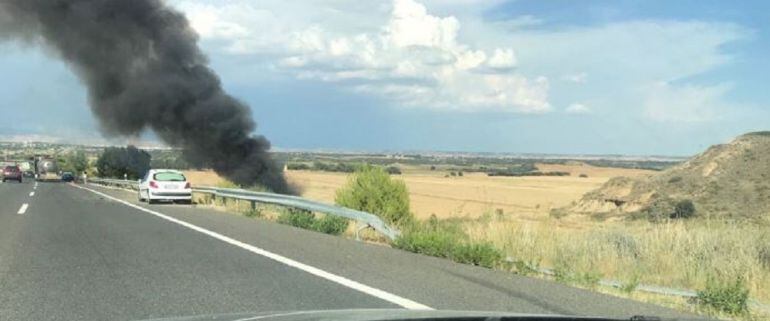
(75, 252)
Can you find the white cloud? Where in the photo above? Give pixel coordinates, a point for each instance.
(411, 25)
(412, 57)
(577, 78)
(577, 108)
(628, 61)
(520, 22)
(627, 52)
(406, 53)
(685, 103)
(502, 59)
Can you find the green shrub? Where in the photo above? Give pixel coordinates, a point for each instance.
(562, 272)
(630, 285)
(525, 268)
(119, 161)
(331, 224)
(304, 219)
(481, 254)
(372, 190)
(453, 227)
(335, 167)
(75, 162)
(557, 213)
(446, 239)
(565, 273)
(728, 297)
(297, 166)
(683, 209)
(297, 218)
(433, 242)
(393, 170)
(588, 278)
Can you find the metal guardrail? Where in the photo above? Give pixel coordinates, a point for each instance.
(648, 288)
(364, 219)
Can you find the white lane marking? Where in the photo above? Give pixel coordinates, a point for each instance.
(387, 296)
(31, 193)
(23, 208)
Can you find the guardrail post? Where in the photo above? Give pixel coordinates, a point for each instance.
(360, 226)
(253, 205)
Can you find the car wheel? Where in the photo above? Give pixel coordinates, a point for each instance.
(151, 201)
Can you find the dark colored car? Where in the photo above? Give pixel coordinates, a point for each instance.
(67, 177)
(12, 173)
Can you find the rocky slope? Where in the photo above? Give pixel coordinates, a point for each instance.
(728, 180)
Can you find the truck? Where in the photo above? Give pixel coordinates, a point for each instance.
(46, 169)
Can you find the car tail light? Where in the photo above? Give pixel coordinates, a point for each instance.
(187, 185)
(153, 184)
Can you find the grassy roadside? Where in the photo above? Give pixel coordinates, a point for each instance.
(727, 262)
(675, 254)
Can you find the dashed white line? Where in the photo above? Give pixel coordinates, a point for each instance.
(31, 193)
(387, 296)
(23, 208)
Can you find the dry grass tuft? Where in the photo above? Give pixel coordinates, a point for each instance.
(675, 254)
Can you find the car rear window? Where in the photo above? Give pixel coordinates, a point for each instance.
(168, 177)
(11, 168)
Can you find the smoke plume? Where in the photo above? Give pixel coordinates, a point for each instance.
(143, 69)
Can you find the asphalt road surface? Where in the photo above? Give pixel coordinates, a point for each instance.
(90, 253)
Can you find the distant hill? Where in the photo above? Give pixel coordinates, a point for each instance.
(729, 180)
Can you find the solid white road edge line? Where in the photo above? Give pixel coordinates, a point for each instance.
(23, 208)
(387, 296)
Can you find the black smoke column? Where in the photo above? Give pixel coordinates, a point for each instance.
(143, 69)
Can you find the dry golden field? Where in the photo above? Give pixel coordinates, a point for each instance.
(471, 195)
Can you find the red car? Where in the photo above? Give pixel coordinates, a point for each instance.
(12, 173)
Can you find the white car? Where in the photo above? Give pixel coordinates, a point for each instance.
(164, 185)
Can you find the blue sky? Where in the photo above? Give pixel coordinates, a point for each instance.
(588, 77)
